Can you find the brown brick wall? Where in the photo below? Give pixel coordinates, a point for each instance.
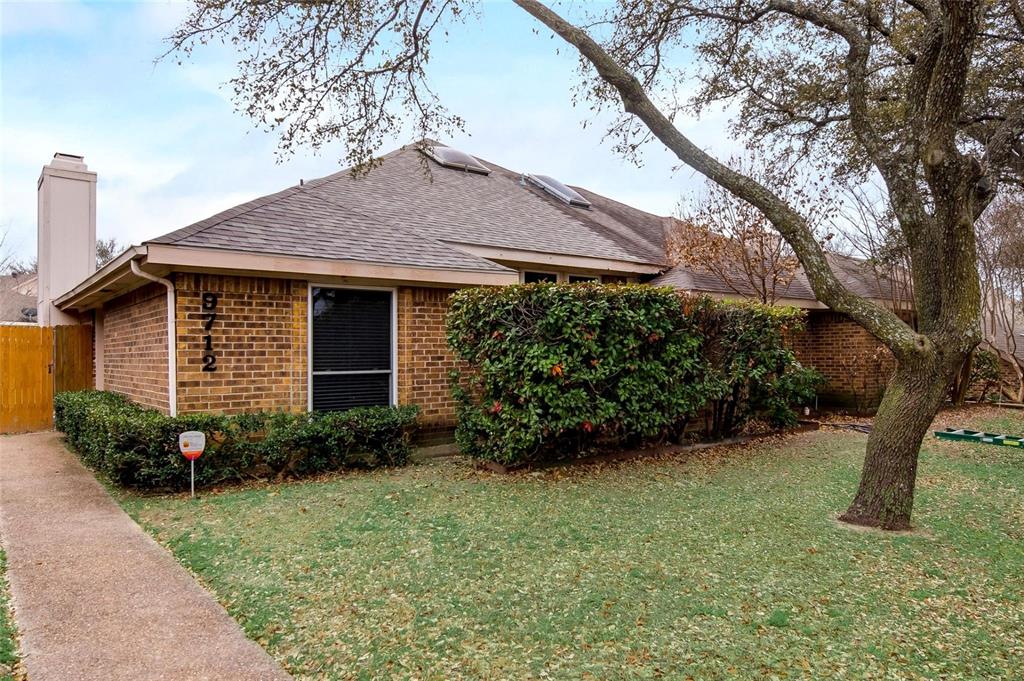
(1008, 382)
(260, 334)
(258, 338)
(1008, 375)
(135, 346)
(424, 359)
(856, 365)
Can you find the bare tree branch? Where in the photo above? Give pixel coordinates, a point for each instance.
(882, 323)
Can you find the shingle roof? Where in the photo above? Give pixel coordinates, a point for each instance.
(299, 221)
(856, 274)
(408, 211)
(997, 338)
(689, 278)
(12, 303)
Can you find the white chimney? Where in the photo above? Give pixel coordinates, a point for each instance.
(67, 232)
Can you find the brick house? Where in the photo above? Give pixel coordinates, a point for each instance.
(332, 293)
(855, 363)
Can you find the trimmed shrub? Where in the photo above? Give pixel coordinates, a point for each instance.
(138, 447)
(751, 370)
(559, 366)
(556, 369)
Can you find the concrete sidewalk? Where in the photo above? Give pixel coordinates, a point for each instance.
(94, 596)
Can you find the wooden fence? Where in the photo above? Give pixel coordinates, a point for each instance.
(35, 363)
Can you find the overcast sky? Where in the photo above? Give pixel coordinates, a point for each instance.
(170, 149)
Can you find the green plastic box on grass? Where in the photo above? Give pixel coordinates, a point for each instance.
(964, 435)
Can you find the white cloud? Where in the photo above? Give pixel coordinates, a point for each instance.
(169, 149)
(27, 18)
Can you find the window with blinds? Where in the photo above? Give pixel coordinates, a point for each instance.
(352, 338)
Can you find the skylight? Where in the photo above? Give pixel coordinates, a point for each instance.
(453, 158)
(559, 190)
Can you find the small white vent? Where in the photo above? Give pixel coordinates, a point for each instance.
(453, 158)
(560, 191)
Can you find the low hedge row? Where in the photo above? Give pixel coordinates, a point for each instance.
(138, 447)
(558, 368)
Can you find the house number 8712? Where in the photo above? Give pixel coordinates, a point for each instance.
(209, 317)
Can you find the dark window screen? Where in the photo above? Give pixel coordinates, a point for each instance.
(536, 277)
(351, 348)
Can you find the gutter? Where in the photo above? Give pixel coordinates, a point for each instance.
(172, 334)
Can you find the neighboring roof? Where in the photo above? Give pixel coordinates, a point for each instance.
(22, 283)
(856, 274)
(13, 304)
(861, 278)
(410, 211)
(998, 339)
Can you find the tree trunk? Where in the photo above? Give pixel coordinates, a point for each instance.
(962, 384)
(913, 396)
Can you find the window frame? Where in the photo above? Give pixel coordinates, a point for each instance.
(393, 383)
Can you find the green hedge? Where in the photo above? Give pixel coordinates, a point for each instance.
(750, 369)
(556, 369)
(138, 447)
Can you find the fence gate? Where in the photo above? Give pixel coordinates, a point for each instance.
(36, 362)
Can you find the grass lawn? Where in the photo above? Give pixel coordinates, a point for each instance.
(8, 644)
(723, 565)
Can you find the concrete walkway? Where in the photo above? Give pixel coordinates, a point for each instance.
(94, 596)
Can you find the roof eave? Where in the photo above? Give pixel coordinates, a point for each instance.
(164, 258)
(219, 259)
(92, 287)
(557, 260)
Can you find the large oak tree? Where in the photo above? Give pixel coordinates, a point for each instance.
(924, 96)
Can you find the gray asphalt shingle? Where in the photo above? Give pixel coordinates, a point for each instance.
(409, 211)
(857, 275)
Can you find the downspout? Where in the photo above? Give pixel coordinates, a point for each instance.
(172, 348)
